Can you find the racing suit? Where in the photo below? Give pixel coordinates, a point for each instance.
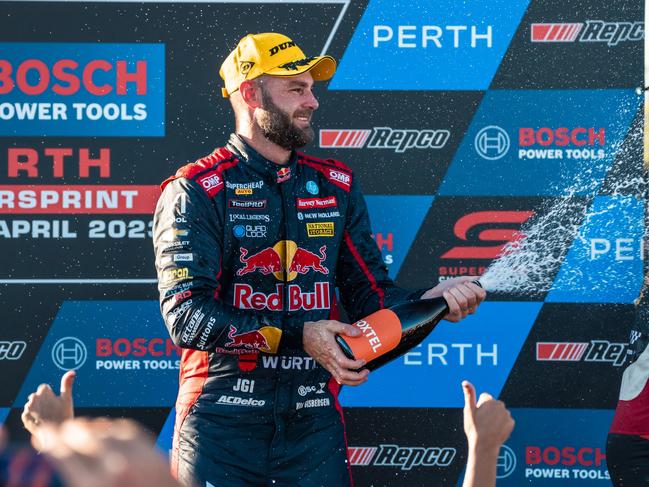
(627, 445)
(247, 251)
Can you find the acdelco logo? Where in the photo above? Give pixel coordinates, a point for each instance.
(404, 458)
(472, 221)
(397, 140)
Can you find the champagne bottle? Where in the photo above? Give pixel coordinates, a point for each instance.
(391, 332)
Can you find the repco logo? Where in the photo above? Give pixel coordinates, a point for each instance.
(473, 224)
(404, 458)
(281, 47)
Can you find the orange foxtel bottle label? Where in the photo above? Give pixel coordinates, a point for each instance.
(381, 332)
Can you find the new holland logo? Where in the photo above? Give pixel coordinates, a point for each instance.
(397, 140)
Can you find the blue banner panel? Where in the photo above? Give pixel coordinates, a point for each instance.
(448, 45)
(82, 89)
(395, 222)
(3, 414)
(555, 447)
(541, 143)
(604, 264)
(166, 435)
(482, 349)
(121, 352)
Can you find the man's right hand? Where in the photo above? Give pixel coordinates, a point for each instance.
(43, 406)
(319, 340)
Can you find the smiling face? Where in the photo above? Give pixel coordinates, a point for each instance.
(287, 106)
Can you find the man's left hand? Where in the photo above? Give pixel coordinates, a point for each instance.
(462, 295)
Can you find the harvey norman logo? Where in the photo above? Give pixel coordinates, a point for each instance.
(611, 33)
(397, 140)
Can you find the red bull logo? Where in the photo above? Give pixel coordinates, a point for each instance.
(284, 257)
(284, 174)
(303, 260)
(266, 261)
(245, 297)
(253, 340)
(248, 343)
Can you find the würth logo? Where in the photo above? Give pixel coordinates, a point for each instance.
(398, 140)
(593, 351)
(556, 32)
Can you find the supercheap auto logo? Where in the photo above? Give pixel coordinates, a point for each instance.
(82, 89)
(593, 31)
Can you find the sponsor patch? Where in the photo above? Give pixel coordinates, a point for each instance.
(247, 204)
(320, 229)
(211, 182)
(243, 191)
(315, 203)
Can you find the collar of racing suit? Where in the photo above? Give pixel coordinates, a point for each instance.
(255, 161)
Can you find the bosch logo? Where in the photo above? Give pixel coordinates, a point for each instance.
(492, 143)
(69, 353)
(506, 463)
(12, 350)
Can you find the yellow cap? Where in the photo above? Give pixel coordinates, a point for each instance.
(272, 54)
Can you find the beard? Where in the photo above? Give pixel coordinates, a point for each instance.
(277, 126)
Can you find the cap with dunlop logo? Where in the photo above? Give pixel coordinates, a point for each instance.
(273, 54)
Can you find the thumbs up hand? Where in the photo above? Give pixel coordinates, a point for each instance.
(43, 406)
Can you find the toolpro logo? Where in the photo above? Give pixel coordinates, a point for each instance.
(601, 351)
(609, 33)
(484, 236)
(401, 457)
(396, 140)
(285, 261)
(82, 89)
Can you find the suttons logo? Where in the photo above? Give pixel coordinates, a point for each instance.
(601, 351)
(593, 31)
(403, 458)
(397, 140)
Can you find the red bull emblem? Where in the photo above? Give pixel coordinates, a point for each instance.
(285, 260)
(266, 261)
(245, 297)
(284, 174)
(303, 260)
(252, 340)
(265, 339)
